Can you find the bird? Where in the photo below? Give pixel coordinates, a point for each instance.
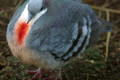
(50, 33)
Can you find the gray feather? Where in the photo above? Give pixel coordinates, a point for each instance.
(106, 26)
(34, 6)
(58, 34)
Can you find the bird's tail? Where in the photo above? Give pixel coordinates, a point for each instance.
(106, 25)
(78, 0)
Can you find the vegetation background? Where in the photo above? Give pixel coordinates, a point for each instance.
(89, 66)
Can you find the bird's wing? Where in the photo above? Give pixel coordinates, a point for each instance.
(96, 26)
(89, 30)
(69, 34)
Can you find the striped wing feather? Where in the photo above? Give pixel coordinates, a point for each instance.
(69, 35)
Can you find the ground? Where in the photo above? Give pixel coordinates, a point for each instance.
(90, 65)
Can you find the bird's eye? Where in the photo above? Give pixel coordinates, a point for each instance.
(41, 8)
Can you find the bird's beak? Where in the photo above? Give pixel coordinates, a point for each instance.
(29, 19)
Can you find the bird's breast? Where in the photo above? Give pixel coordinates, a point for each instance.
(21, 31)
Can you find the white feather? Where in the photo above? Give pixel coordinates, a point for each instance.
(24, 16)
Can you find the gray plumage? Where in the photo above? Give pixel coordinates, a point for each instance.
(63, 32)
(34, 6)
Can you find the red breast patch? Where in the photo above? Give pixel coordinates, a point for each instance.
(21, 32)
